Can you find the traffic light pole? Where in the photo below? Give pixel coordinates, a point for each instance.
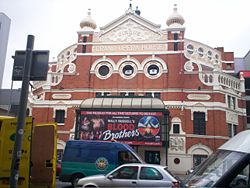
(17, 152)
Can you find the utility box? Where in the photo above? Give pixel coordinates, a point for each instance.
(7, 141)
(43, 147)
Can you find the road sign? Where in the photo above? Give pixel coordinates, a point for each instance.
(39, 65)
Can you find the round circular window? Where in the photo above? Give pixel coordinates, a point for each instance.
(153, 69)
(103, 70)
(128, 69)
(177, 161)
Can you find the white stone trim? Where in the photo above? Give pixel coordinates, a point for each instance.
(99, 65)
(128, 61)
(176, 120)
(59, 96)
(61, 144)
(207, 136)
(130, 53)
(198, 107)
(154, 61)
(59, 108)
(104, 59)
(198, 97)
(199, 149)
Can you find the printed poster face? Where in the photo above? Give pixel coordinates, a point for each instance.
(136, 128)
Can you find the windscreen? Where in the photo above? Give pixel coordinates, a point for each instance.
(209, 172)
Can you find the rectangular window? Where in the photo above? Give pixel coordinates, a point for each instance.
(105, 94)
(232, 129)
(199, 123)
(131, 94)
(231, 102)
(84, 39)
(175, 46)
(157, 95)
(60, 116)
(229, 66)
(150, 95)
(102, 94)
(123, 94)
(247, 85)
(175, 36)
(248, 111)
(84, 46)
(98, 94)
(176, 128)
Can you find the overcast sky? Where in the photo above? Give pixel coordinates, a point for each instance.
(54, 23)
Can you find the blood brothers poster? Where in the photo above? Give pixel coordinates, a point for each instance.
(135, 128)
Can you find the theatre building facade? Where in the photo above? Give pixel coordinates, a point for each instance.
(174, 100)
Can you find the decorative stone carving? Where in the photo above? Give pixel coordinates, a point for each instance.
(177, 144)
(188, 66)
(203, 54)
(130, 31)
(232, 117)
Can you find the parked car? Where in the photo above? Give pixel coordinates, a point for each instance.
(132, 175)
(227, 167)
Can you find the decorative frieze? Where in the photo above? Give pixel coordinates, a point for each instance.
(177, 144)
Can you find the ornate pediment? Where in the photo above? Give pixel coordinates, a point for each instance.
(130, 31)
(129, 28)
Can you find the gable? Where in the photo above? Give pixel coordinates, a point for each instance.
(130, 31)
(130, 28)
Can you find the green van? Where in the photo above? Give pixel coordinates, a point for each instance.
(83, 158)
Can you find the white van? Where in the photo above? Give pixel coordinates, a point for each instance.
(229, 166)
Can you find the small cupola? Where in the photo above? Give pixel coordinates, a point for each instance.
(175, 20)
(88, 24)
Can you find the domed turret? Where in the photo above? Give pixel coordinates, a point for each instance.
(175, 20)
(88, 22)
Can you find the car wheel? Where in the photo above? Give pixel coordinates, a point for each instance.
(241, 183)
(75, 178)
